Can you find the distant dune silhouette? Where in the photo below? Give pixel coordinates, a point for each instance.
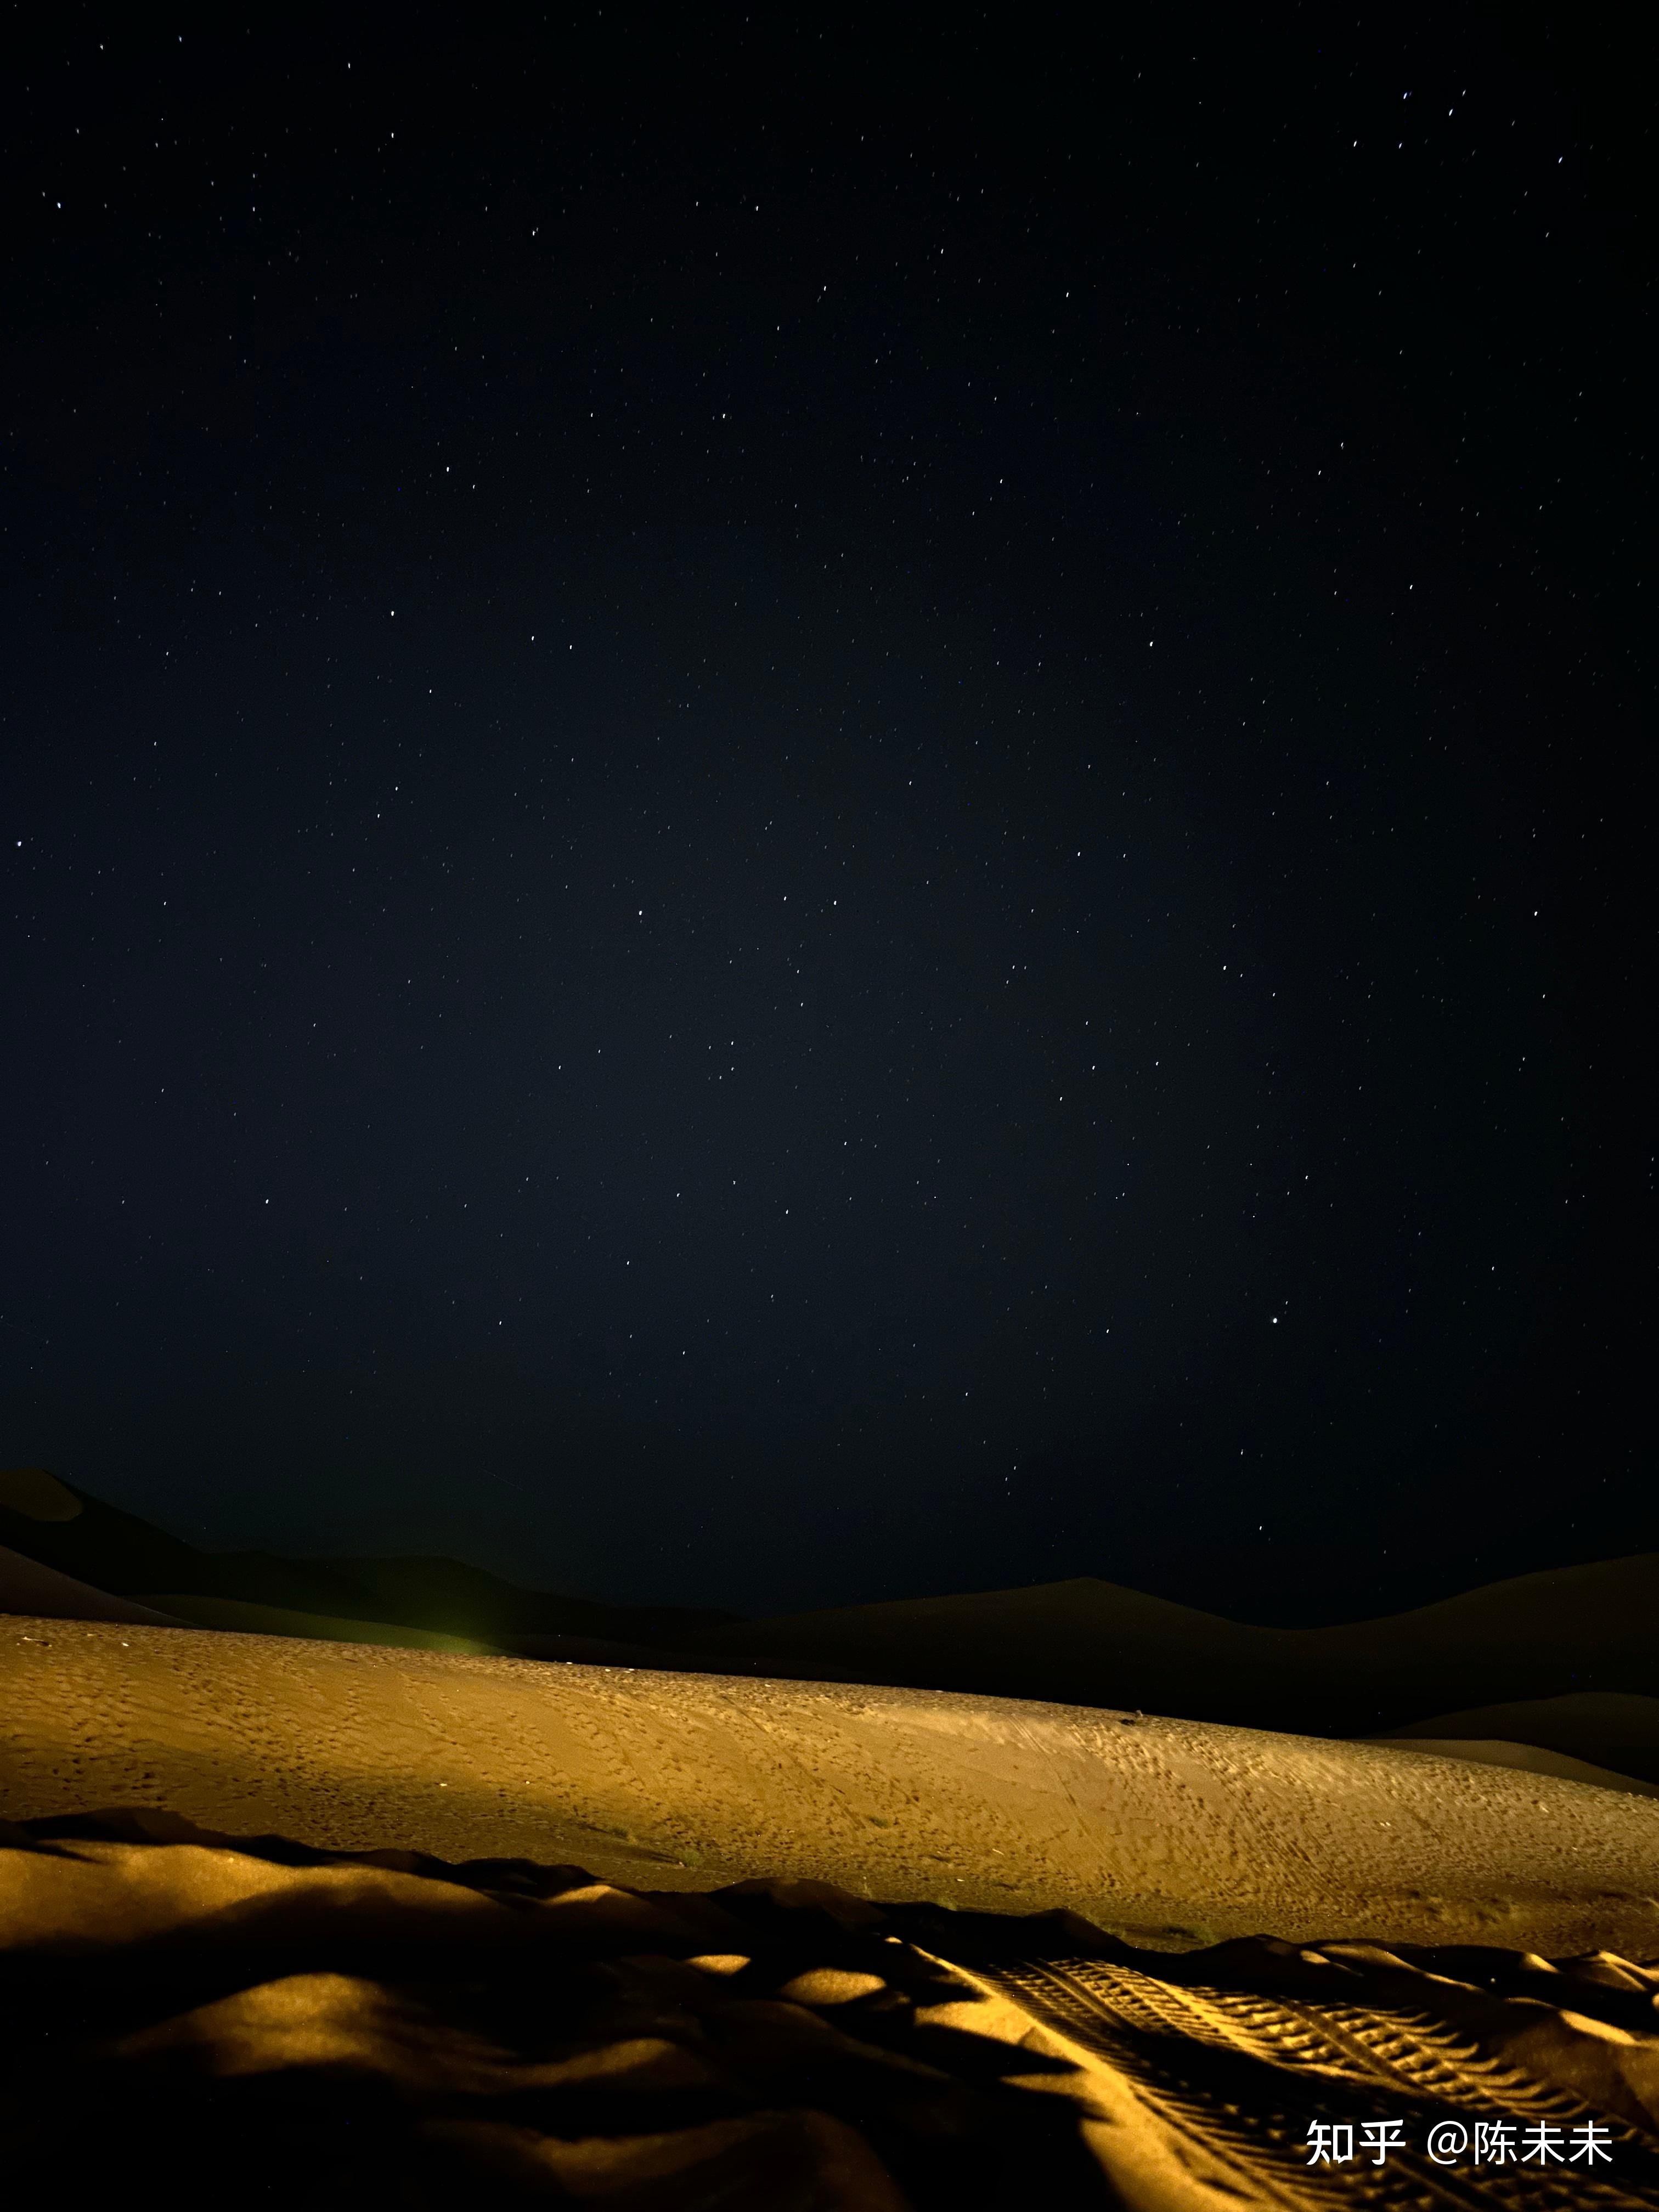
(1086, 1641)
(1606, 1727)
(26, 1586)
(66, 1528)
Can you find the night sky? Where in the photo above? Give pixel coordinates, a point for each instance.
(796, 811)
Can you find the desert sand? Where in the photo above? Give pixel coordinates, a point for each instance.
(1554, 1673)
(252, 2020)
(1529, 1759)
(333, 1925)
(1165, 1832)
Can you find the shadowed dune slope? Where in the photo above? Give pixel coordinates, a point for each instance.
(66, 1528)
(1511, 1640)
(1169, 1833)
(1085, 1641)
(1081, 1641)
(1601, 1726)
(277, 1621)
(26, 1586)
(384, 2028)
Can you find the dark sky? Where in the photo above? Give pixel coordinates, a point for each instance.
(794, 813)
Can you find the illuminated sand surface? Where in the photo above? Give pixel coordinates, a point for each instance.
(1171, 1834)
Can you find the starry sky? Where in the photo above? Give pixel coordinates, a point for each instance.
(796, 811)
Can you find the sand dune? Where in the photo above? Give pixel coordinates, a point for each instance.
(1081, 1641)
(80, 1535)
(1166, 1832)
(1604, 1726)
(27, 1587)
(1508, 1640)
(1511, 1647)
(348, 1925)
(386, 2029)
(1529, 1758)
(235, 1613)
(1086, 1641)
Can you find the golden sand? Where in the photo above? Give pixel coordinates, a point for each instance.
(1168, 1833)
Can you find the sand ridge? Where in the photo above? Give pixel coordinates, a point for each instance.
(1170, 1832)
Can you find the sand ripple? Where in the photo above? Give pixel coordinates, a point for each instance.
(254, 2020)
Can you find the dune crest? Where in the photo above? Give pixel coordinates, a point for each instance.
(1170, 1832)
(1526, 1758)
